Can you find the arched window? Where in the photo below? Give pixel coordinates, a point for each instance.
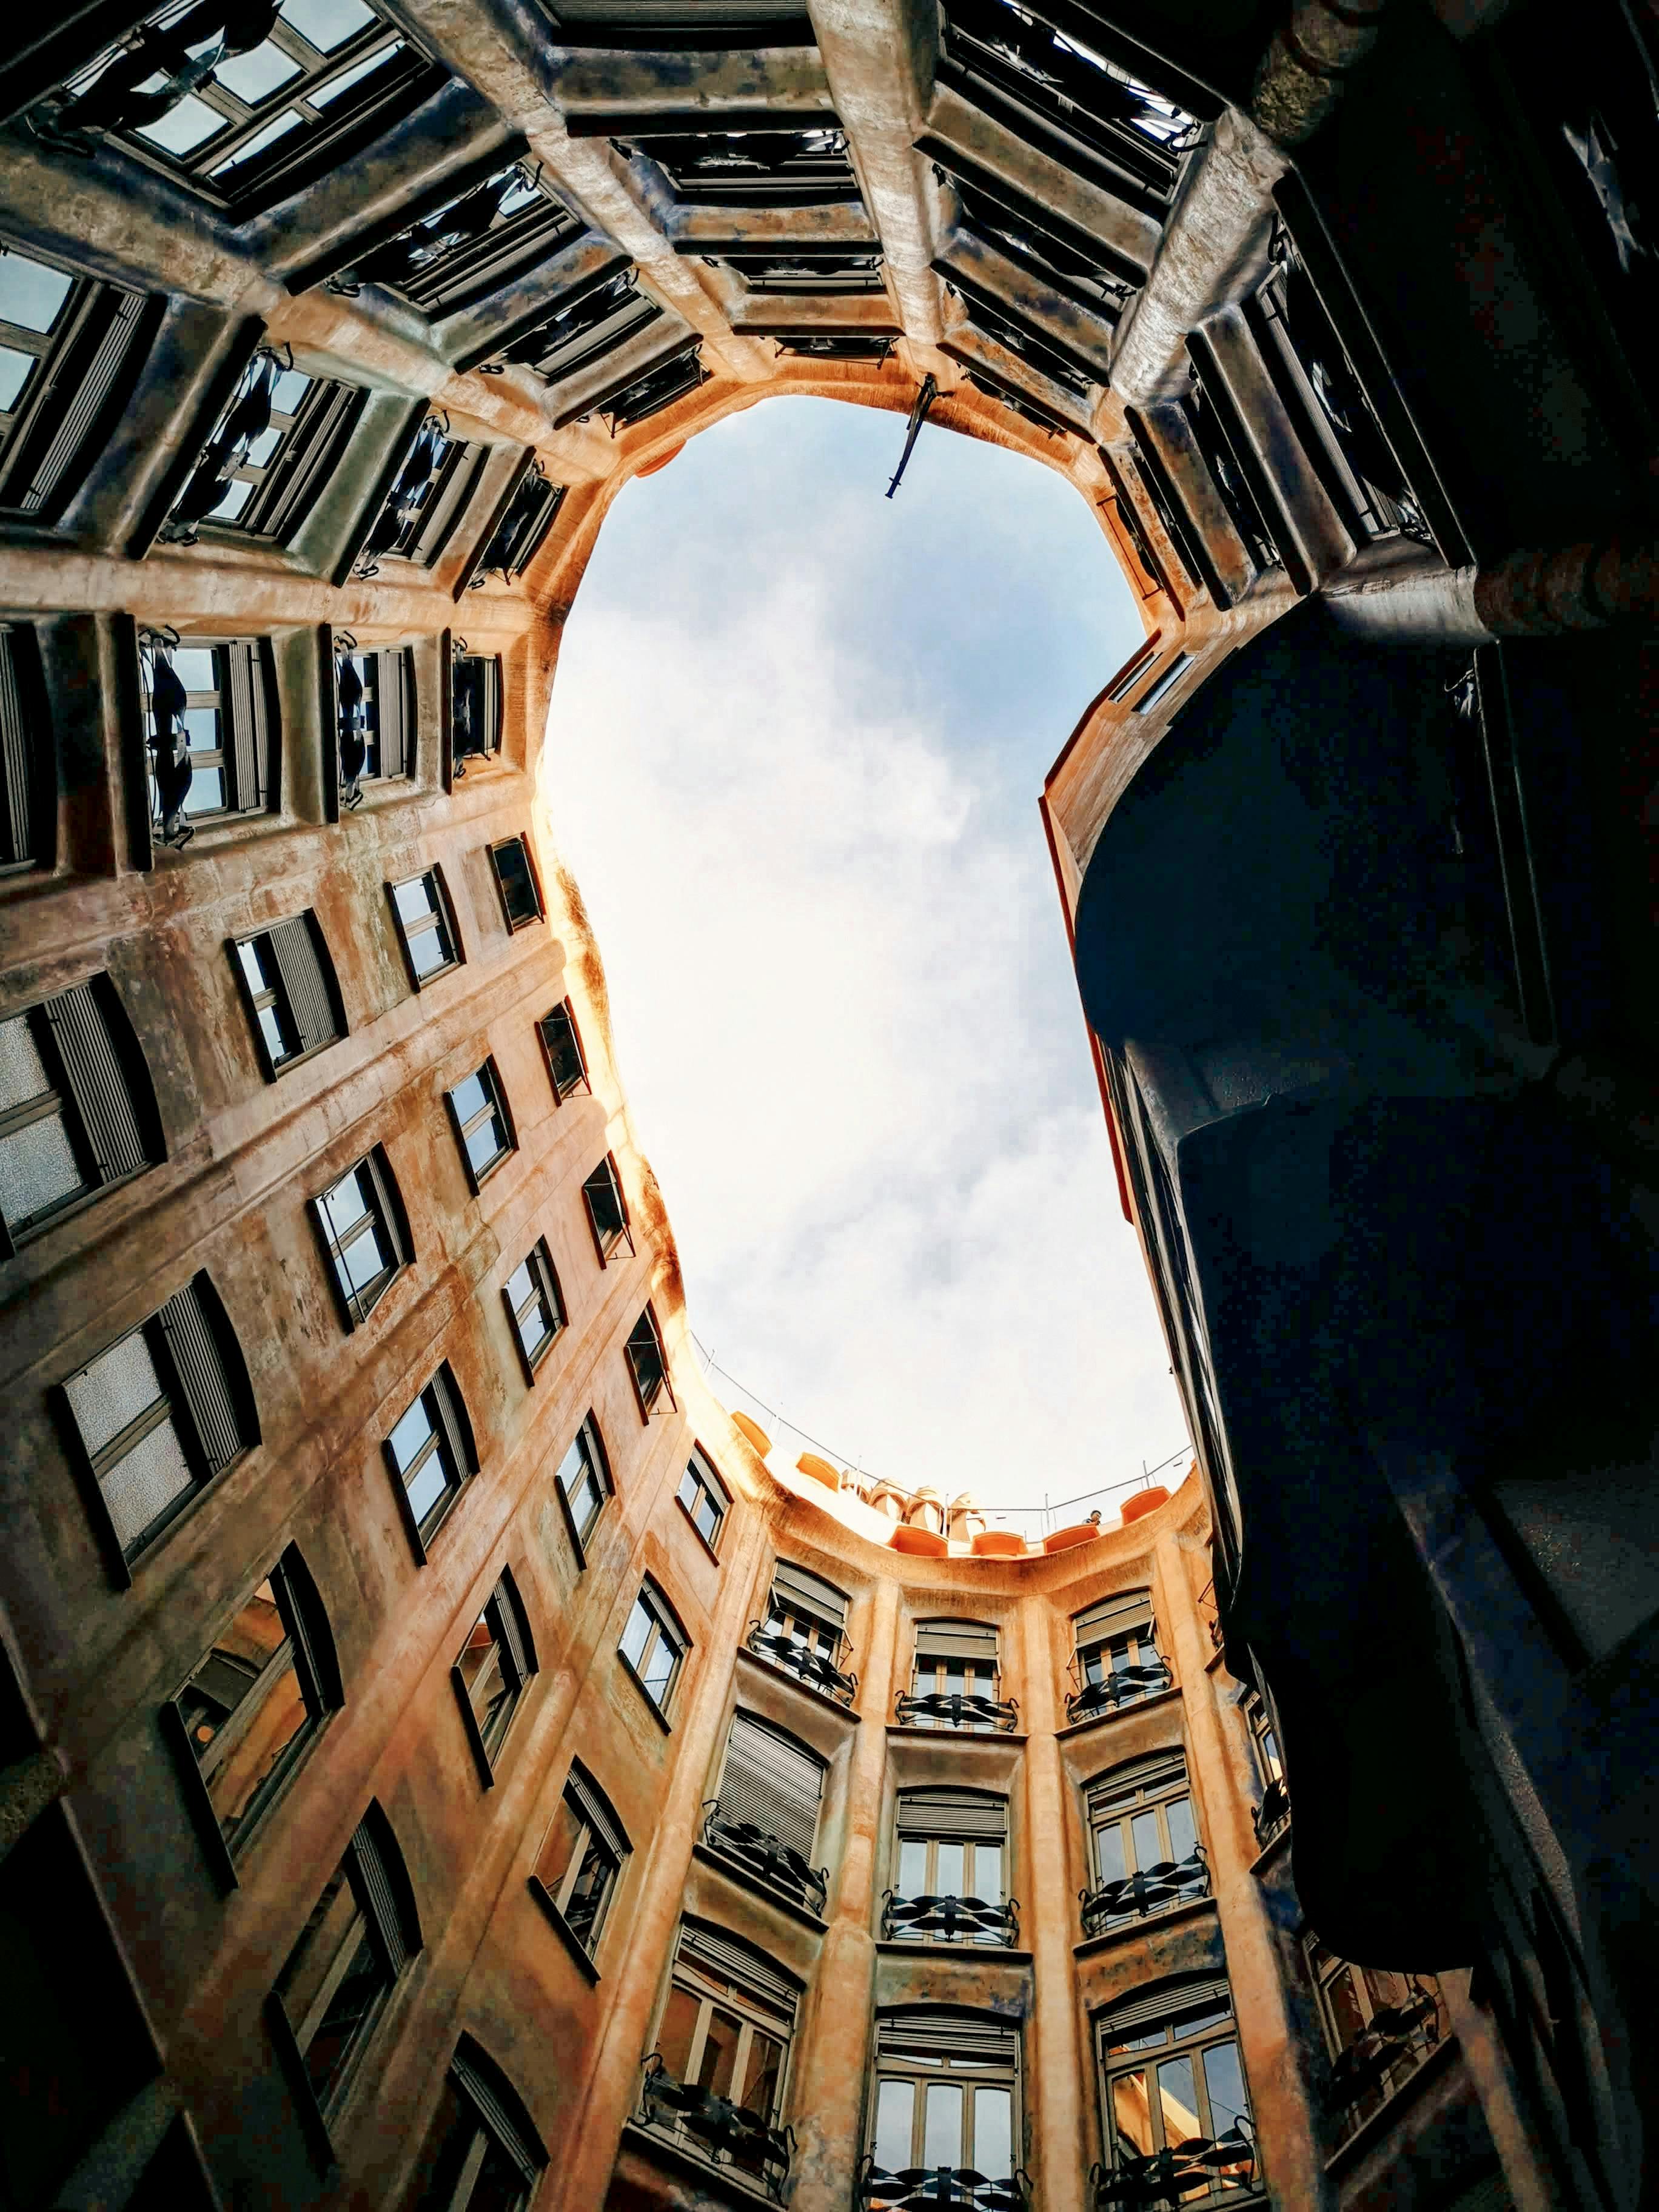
(765, 1814)
(484, 2153)
(1143, 1845)
(1176, 2114)
(956, 1679)
(1116, 1660)
(716, 2080)
(945, 2123)
(950, 1866)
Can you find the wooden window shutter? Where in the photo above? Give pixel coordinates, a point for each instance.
(388, 1205)
(196, 1355)
(594, 1808)
(393, 707)
(716, 1952)
(515, 1628)
(297, 945)
(379, 1891)
(772, 1783)
(479, 2082)
(96, 1082)
(809, 1594)
(1153, 2005)
(456, 1429)
(954, 1813)
(956, 1639)
(18, 767)
(94, 369)
(981, 2042)
(1121, 1615)
(249, 724)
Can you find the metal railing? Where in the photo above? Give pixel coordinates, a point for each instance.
(764, 1856)
(1152, 1889)
(1119, 1687)
(1393, 2044)
(927, 2187)
(956, 1709)
(725, 2134)
(775, 1644)
(950, 1920)
(1273, 1814)
(1167, 2179)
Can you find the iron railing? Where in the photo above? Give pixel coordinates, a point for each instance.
(725, 2134)
(1171, 2181)
(1393, 2044)
(1273, 1814)
(956, 1709)
(1153, 1889)
(926, 2188)
(769, 1861)
(950, 1920)
(769, 1642)
(1119, 1687)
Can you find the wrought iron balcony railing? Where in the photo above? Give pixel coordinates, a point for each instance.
(1121, 1686)
(950, 1920)
(768, 1641)
(1273, 1814)
(1396, 2041)
(766, 1858)
(725, 2134)
(954, 1708)
(926, 2188)
(1194, 2172)
(1153, 1889)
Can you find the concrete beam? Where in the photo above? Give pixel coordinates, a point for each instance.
(784, 79)
(1049, 184)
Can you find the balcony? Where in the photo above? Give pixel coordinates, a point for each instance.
(950, 1920)
(1273, 1815)
(1389, 2050)
(1120, 1686)
(775, 1645)
(1138, 1896)
(765, 1860)
(1194, 2172)
(926, 2188)
(956, 1709)
(714, 2128)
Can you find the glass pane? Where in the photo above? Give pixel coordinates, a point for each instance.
(913, 1868)
(231, 502)
(194, 665)
(949, 1875)
(348, 1204)
(1148, 1843)
(253, 967)
(587, 1896)
(347, 78)
(347, 2014)
(485, 1677)
(498, 2185)
(428, 951)
(896, 2104)
(470, 1098)
(206, 795)
(764, 2077)
(716, 2067)
(674, 2036)
(413, 900)
(558, 1850)
(636, 1634)
(658, 1669)
(427, 1487)
(486, 1142)
(278, 127)
(1347, 2011)
(38, 1170)
(201, 728)
(942, 2126)
(1195, 2021)
(1132, 2115)
(410, 1433)
(707, 1516)
(254, 77)
(270, 1028)
(262, 449)
(362, 1260)
(22, 1070)
(1183, 1836)
(15, 369)
(327, 23)
(574, 1467)
(521, 1287)
(1178, 2100)
(115, 1389)
(1224, 2077)
(993, 2132)
(987, 1873)
(189, 124)
(146, 1481)
(585, 1505)
(289, 388)
(1108, 1853)
(279, 1718)
(31, 294)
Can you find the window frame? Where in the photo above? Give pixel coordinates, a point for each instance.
(623, 1233)
(922, 1816)
(449, 1438)
(1325, 1970)
(1122, 1799)
(706, 1484)
(279, 995)
(91, 1013)
(286, 484)
(419, 533)
(488, 2103)
(590, 1443)
(390, 1224)
(665, 1626)
(646, 1330)
(583, 1081)
(953, 2032)
(441, 917)
(504, 1615)
(714, 1970)
(1161, 2042)
(245, 700)
(1114, 1636)
(377, 668)
(496, 1103)
(599, 1834)
(932, 1673)
(516, 922)
(491, 689)
(546, 1292)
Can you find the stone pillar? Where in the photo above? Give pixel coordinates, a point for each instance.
(1055, 2064)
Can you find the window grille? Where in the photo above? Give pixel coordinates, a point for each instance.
(654, 1646)
(951, 1851)
(515, 880)
(492, 1673)
(256, 1702)
(484, 2154)
(29, 779)
(364, 1234)
(429, 494)
(517, 535)
(475, 730)
(715, 2081)
(362, 1937)
(431, 1455)
(945, 2116)
(373, 711)
(649, 1366)
(561, 1044)
(77, 1115)
(271, 456)
(287, 980)
(483, 1127)
(534, 1306)
(1143, 1843)
(582, 1859)
(584, 1485)
(70, 353)
(705, 1498)
(1177, 2111)
(607, 1209)
(160, 1413)
(426, 925)
(210, 717)
(1116, 1662)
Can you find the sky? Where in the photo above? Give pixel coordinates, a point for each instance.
(796, 741)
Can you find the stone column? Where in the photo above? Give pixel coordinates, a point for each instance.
(1055, 2063)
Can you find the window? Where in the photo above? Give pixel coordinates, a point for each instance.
(364, 1232)
(534, 1306)
(765, 1815)
(158, 1414)
(496, 1661)
(1165, 683)
(584, 1481)
(1379, 2027)
(76, 1112)
(648, 1367)
(332, 1992)
(483, 2154)
(475, 710)
(1176, 2112)
(946, 2094)
(246, 125)
(805, 1631)
(70, 350)
(28, 791)
(373, 711)
(1116, 1660)
(951, 1853)
(288, 980)
(562, 1042)
(431, 1454)
(955, 1682)
(273, 454)
(515, 879)
(1143, 1842)
(706, 1498)
(483, 1127)
(426, 925)
(654, 1646)
(1273, 1812)
(517, 538)
(715, 2080)
(210, 713)
(607, 1209)
(478, 240)
(255, 1704)
(437, 479)
(582, 1858)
